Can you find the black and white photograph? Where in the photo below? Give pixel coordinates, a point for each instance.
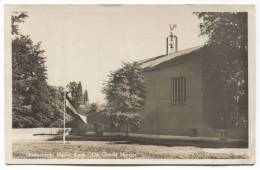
(130, 84)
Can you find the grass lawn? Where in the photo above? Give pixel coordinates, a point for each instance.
(118, 150)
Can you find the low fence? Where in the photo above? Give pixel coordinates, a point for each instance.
(32, 133)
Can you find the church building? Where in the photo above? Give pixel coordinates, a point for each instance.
(179, 98)
(177, 102)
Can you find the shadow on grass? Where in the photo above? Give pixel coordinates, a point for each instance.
(170, 143)
(160, 142)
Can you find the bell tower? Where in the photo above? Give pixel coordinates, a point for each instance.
(171, 41)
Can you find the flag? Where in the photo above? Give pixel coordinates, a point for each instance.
(73, 110)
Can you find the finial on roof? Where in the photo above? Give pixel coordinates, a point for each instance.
(171, 41)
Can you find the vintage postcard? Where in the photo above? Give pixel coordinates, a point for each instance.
(130, 84)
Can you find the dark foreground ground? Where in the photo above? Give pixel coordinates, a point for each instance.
(113, 148)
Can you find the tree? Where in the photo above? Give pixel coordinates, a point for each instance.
(16, 19)
(93, 108)
(226, 67)
(76, 94)
(227, 29)
(31, 106)
(85, 97)
(57, 103)
(72, 88)
(125, 94)
(80, 93)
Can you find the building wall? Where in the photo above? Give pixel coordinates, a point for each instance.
(160, 115)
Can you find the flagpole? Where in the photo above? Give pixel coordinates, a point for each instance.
(64, 114)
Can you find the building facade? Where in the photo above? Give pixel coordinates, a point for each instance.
(177, 99)
(174, 94)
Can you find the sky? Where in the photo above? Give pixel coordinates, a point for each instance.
(85, 43)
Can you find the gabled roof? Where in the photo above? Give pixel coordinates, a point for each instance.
(151, 63)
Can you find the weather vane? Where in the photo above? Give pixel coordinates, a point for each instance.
(172, 27)
(171, 41)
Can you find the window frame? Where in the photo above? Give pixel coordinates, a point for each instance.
(178, 90)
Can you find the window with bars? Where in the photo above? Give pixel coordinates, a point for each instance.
(178, 90)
